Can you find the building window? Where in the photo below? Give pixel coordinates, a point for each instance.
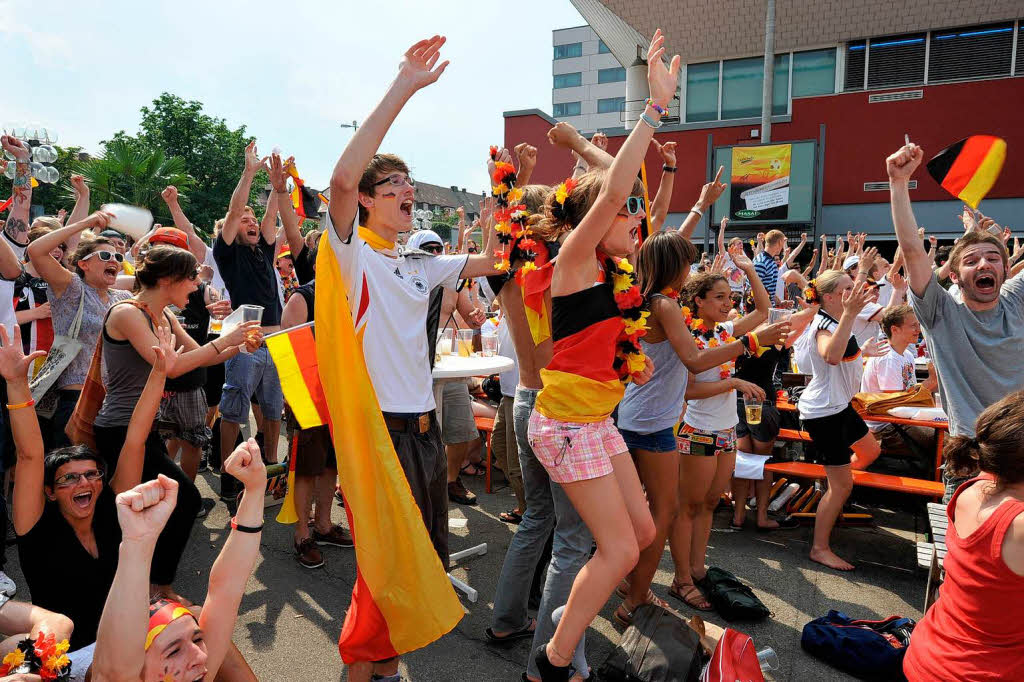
(610, 105)
(856, 60)
(568, 80)
(568, 51)
(616, 75)
(814, 73)
(780, 86)
(741, 87)
(896, 60)
(977, 52)
(566, 109)
(702, 91)
(602, 48)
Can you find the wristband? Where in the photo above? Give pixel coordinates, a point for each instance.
(652, 105)
(18, 406)
(214, 344)
(667, 168)
(755, 342)
(245, 529)
(697, 211)
(650, 121)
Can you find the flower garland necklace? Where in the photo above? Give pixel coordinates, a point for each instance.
(709, 337)
(630, 360)
(510, 219)
(45, 657)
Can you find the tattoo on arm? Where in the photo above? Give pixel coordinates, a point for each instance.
(17, 230)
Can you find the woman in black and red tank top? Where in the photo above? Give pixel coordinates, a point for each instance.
(974, 631)
(595, 329)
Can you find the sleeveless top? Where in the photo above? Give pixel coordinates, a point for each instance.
(832, 387)
(580, 383)
(197, 325)
(974, 631)
(656, 405)
(125, 374)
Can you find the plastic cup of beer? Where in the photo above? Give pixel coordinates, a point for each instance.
(250, 313)
(446, 342)
(464, 337)
(752, 406)
(778, 315)
(489, 345)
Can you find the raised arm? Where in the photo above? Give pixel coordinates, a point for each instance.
(900, 166)
(709, 194)
(762, 301)
(195, 244)
(415, 72)
(566, 136)
(659, 207)
(462, 245)
(17, 224)
(527, 155)
(81, 209)
(290, 221)
(55, 274)
(240, 197)
(29, 499)
(806, 274)
(796, 252)
(236, 561)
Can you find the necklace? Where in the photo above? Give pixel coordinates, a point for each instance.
(709, 337)
(630, 360)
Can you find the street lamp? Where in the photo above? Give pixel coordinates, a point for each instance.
(354, 125)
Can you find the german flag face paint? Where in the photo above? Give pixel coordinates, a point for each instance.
(969, 168)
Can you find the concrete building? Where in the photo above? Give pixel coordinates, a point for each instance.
(588, 82)
(851, 78)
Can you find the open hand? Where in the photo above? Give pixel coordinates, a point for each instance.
(14, 363)
(875, 347)
(277, 173)
(867, 261)
(253, 162)
(417, 67)
(143, 511)
(166, 350)
(246, 464)
(856, 298)
(662, 82)
(739, 256)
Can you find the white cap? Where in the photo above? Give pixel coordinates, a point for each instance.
(850, 262)
(421, 237)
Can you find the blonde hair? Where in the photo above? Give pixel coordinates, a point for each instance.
(774, 237)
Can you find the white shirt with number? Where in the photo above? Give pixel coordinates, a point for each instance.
(388, 294)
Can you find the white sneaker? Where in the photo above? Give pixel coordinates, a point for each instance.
(7, 585)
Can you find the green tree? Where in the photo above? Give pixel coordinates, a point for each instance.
(131, 173)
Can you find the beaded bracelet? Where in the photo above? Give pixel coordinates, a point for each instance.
(652, 105)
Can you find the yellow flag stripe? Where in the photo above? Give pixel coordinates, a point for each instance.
(293, 385)
(986, 175)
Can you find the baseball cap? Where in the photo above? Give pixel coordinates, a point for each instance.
(850, 262)
(169, 235)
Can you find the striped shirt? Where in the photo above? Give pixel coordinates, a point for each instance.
(768, 271)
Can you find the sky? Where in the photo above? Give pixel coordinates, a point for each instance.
(290, 71)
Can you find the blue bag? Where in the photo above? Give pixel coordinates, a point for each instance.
(867, 649)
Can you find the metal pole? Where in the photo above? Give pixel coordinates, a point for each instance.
(769, 72)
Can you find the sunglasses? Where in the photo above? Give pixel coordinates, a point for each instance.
(68, 480)
(635, 205)
(432, 248)
(396, 179)
(106, 256)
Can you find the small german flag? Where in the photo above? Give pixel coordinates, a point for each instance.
(304, 201)
(969, 168)
(294, 355)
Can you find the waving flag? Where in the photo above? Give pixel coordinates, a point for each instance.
(969, 168)
(304, 201)
(402, 599)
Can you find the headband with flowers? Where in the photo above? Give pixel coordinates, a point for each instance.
(562, 192)
(510, 218)
(45, 657)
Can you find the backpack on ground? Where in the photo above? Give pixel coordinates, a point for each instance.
(867, 649)
(658, 647)
(732, 599)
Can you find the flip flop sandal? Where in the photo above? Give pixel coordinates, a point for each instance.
(511, 517)
(622, 591)
(687, 596)
(512, 636)
(478, 469)
(624, 616)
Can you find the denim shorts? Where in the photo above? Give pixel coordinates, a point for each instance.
(659, 441)
(247, 376)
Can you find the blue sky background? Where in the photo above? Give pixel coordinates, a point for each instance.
(291, 71)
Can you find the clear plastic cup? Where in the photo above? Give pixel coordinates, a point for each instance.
(778, 315)
(937, 397)
(250, 313)
(489, 345)
(768, 659)
(446, 342)
(752, 406)
(464, 338)
(130, 220)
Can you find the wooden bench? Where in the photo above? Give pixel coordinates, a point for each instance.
(902, 484)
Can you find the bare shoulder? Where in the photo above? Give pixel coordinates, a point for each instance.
(1013, 545)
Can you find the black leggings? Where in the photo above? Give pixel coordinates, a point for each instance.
(175, 536)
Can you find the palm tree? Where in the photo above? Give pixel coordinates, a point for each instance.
(130, 173)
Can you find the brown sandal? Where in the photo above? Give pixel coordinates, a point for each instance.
(686, 596)
(624, 616)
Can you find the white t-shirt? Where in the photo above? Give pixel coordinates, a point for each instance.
(890, 372)
(885, 291)
(388, 294)
(506, 347)
(217, 282)
(718, 412)
(780, 284)
(832, 386)
(868, 323)
(7, 318)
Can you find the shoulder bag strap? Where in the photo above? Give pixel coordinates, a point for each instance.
(76, 324)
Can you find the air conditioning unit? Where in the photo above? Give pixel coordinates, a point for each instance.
(895, 96)
(884, 186)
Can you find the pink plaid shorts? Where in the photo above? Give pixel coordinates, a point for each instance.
(575, 452)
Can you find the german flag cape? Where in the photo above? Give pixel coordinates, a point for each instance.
(534, 285)
(402, 598)
(969, 168)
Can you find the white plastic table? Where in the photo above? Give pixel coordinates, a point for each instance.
(454, 368)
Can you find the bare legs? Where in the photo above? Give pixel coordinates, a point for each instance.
(659, 473)
(762, 487)
(840, 483)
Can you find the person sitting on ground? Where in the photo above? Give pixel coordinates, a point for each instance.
(63, 506)
(316, 465)
(972, 632)
(975, 342)
(895, 371)
(161, 640)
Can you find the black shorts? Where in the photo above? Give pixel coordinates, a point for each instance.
(767, 430)
(314, 452)
(832, 436)
(214, 384)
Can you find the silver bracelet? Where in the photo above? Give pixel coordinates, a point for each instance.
(697, 211)
(650, 121)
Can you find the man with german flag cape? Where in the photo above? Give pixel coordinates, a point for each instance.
(371, 315)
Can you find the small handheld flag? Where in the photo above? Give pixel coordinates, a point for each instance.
(969, 168)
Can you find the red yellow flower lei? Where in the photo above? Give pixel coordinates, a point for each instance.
(707, 337)
(670, 293)
(629, 358)
(45, 657)
(510, 219)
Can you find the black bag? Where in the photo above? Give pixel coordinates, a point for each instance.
(867, 649)
(491, 386)
(657, 647)
(731, 598)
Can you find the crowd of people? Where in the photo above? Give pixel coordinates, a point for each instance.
(626, 417)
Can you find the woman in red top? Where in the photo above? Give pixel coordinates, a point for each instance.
(974, 631)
